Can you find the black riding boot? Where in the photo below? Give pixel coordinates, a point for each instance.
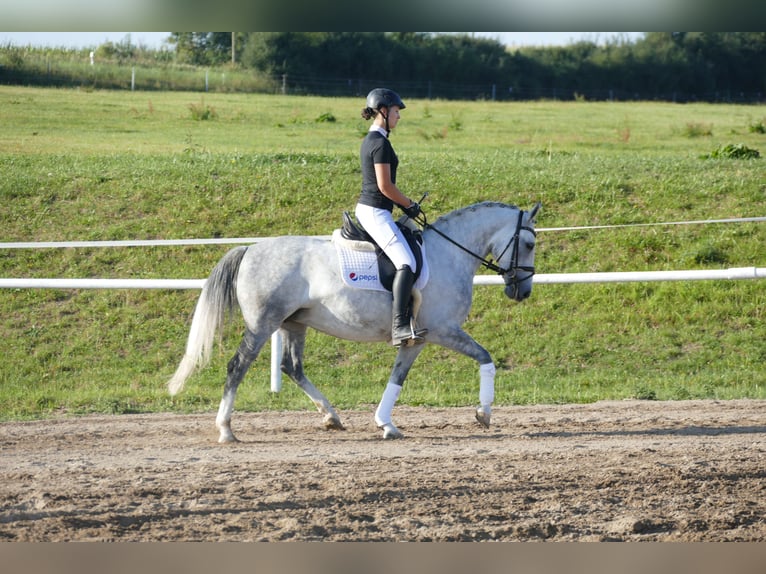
(403, 330)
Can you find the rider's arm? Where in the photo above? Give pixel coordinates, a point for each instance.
(388, 187)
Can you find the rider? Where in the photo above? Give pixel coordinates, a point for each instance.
(376, 203)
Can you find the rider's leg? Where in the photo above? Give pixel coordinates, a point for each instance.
(380, 225)
(402, 327)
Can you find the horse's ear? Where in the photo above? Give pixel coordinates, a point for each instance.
(534, 210)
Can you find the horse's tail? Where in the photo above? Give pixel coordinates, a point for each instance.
(218, 297)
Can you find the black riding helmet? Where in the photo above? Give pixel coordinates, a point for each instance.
(380, 97)
(383, 97)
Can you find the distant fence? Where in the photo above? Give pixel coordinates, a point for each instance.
(124, 77)
(501, 91)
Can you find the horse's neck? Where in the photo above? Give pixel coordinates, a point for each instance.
(474, 228)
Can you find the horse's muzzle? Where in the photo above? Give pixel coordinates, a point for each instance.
(518, 291)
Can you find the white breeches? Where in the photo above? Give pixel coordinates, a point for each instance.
(379, 223)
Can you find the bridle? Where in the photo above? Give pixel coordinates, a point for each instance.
(510, 274)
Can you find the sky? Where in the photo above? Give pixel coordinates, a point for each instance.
(156, 39)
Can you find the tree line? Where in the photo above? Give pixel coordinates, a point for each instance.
(662, 65)
(675, 66)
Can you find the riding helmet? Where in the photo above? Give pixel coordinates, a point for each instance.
(380, 97)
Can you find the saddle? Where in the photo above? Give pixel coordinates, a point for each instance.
(359, 239)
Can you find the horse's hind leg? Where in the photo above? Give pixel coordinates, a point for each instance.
(294, 341)
(238, 365)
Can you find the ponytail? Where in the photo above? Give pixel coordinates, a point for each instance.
(368, 113)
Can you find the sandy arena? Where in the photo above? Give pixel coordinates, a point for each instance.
(657, 471)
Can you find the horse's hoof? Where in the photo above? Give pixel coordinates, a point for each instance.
(226, 436)
(228, 439)
(390, 432)
(333, 423)
(483, 416)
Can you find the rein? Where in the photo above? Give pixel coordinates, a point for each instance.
(510, 274)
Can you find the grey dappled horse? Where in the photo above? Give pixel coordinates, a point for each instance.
(291, 283)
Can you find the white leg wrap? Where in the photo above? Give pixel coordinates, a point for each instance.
(487, 384)
(386, 406)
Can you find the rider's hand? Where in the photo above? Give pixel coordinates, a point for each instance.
(413, 210)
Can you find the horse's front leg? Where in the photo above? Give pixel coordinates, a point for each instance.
(486, 393)
(405, 357)
(460, 341)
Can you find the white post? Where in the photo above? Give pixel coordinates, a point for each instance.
(276, 362)
(133, 79)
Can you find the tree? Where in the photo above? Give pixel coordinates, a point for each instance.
(202, 48)
(664, 65)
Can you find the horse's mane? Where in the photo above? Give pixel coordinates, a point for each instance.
(460, 212)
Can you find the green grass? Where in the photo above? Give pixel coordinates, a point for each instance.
(94, 165)
(143, 70)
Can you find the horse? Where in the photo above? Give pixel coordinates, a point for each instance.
(291, 283)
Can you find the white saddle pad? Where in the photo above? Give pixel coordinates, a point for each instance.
(359, 264)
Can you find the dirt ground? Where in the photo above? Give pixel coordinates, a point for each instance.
(659, 471)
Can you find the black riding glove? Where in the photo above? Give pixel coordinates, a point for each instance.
(412, 211)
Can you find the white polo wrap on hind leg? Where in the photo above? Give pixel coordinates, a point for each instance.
(487, 384)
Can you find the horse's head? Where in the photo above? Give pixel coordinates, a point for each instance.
(517, 261)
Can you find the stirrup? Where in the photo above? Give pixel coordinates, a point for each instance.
(414, 337)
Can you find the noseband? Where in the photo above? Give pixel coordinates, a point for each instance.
(511, 273)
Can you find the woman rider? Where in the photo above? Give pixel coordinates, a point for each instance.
(376, 203)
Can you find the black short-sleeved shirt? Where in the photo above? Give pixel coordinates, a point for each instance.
(376, 149)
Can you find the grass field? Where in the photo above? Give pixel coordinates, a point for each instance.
(160, 165)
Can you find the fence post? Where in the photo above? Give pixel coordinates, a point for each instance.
(133, 79)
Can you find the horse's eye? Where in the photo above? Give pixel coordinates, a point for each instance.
(530, 245)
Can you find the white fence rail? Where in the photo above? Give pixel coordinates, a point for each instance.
(249, 240)
(540, 279)
(276, 339)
